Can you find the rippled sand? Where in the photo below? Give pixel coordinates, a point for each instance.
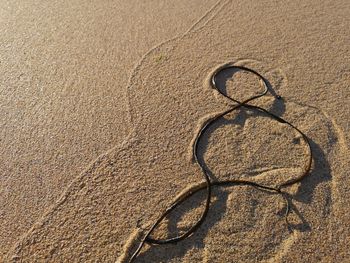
(302, 49)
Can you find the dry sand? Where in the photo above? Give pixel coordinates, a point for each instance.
(302, 48)
(64, 69)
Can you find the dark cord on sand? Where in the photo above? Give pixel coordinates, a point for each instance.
(208, 184)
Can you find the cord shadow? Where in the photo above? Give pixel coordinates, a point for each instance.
(165, 253)
(319, 173)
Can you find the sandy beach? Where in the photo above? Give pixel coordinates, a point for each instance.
(101, 105)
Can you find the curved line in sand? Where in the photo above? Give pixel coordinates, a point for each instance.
(129, 138)
(208, 16)
(198, 25)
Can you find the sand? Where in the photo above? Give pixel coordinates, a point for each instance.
(64, 71)
(302, 49)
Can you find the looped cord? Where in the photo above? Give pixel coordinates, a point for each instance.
(208, 184)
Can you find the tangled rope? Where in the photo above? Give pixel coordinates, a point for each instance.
(208, 184)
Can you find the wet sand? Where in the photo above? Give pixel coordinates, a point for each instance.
(302, 49)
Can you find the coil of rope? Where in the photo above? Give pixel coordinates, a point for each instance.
(208, 184)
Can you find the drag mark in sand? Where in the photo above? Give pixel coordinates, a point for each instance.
(102, 209)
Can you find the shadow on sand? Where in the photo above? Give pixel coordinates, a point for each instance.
(165, 253)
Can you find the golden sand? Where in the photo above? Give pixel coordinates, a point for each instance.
(300, 47)
(64, 71)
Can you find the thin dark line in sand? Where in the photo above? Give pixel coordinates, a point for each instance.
(208, 183)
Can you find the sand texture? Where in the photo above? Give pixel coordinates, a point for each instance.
(64, 71)
(302, 48)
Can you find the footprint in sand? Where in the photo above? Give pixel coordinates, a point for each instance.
(127, 188)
